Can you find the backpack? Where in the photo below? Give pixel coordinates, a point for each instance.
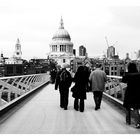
(64, 77)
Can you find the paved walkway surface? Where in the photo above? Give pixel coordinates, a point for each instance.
(41, 114)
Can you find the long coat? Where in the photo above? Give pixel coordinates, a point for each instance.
(81, 82)
(132, 93)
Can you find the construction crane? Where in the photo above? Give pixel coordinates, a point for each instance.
(108, 44)
(106, 41)
(115, 43)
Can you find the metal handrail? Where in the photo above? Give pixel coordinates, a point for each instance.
(115, 88)
(15, 87)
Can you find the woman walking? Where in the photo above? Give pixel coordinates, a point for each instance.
(79, 89)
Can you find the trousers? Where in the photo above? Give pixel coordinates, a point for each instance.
(78, 105)
(98, 98)
(64, 97)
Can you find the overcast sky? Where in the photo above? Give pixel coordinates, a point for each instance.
(88, 22)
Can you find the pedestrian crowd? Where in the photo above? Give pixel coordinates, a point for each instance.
(94, 80)
(84, 80)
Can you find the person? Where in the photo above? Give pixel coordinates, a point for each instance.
(53, 73)
(97, 79)
(132, 93)
(79, 89)
(63, 81)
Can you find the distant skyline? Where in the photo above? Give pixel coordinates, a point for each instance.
(88, 22)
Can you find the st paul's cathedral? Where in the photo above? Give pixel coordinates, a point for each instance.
(61, 47)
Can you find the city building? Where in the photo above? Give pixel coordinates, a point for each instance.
(114, 67)
(78, 61)
(82, 51)
(35, 66)
(61, 47)
(17, 56)
(110, 52)
(14, 65)
(74, 52)
(18, 52)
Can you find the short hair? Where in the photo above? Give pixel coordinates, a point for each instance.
(98, 65)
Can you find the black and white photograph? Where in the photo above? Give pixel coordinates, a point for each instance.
(70, 67)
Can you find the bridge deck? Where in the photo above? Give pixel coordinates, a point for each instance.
(41, 114)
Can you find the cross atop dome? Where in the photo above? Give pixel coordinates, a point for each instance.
(18, 42)
(61, 24)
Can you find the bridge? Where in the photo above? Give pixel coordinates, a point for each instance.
(30, 105)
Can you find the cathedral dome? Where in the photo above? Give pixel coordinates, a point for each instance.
(61, 47)
(61, 33)
(61, 42)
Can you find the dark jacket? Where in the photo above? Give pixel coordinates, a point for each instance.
(132, 93)
(63, 85)
(81, 80)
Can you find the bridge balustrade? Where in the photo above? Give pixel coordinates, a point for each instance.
(114, 88)
(15, 87)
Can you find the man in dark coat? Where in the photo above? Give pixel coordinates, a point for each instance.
(132, 93)
(64, 85)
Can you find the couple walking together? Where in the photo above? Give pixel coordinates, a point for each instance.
(81, 79)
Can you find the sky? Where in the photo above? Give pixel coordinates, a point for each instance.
(88, 22)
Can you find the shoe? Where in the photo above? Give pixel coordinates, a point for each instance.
(137, 126)
(61, 106)
(81, 110)
(65, 108)
(96, 108)
(76, 109)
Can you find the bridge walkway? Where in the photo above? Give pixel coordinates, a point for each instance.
(40, 114)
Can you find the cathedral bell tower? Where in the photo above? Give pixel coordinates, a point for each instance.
(18, 52)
